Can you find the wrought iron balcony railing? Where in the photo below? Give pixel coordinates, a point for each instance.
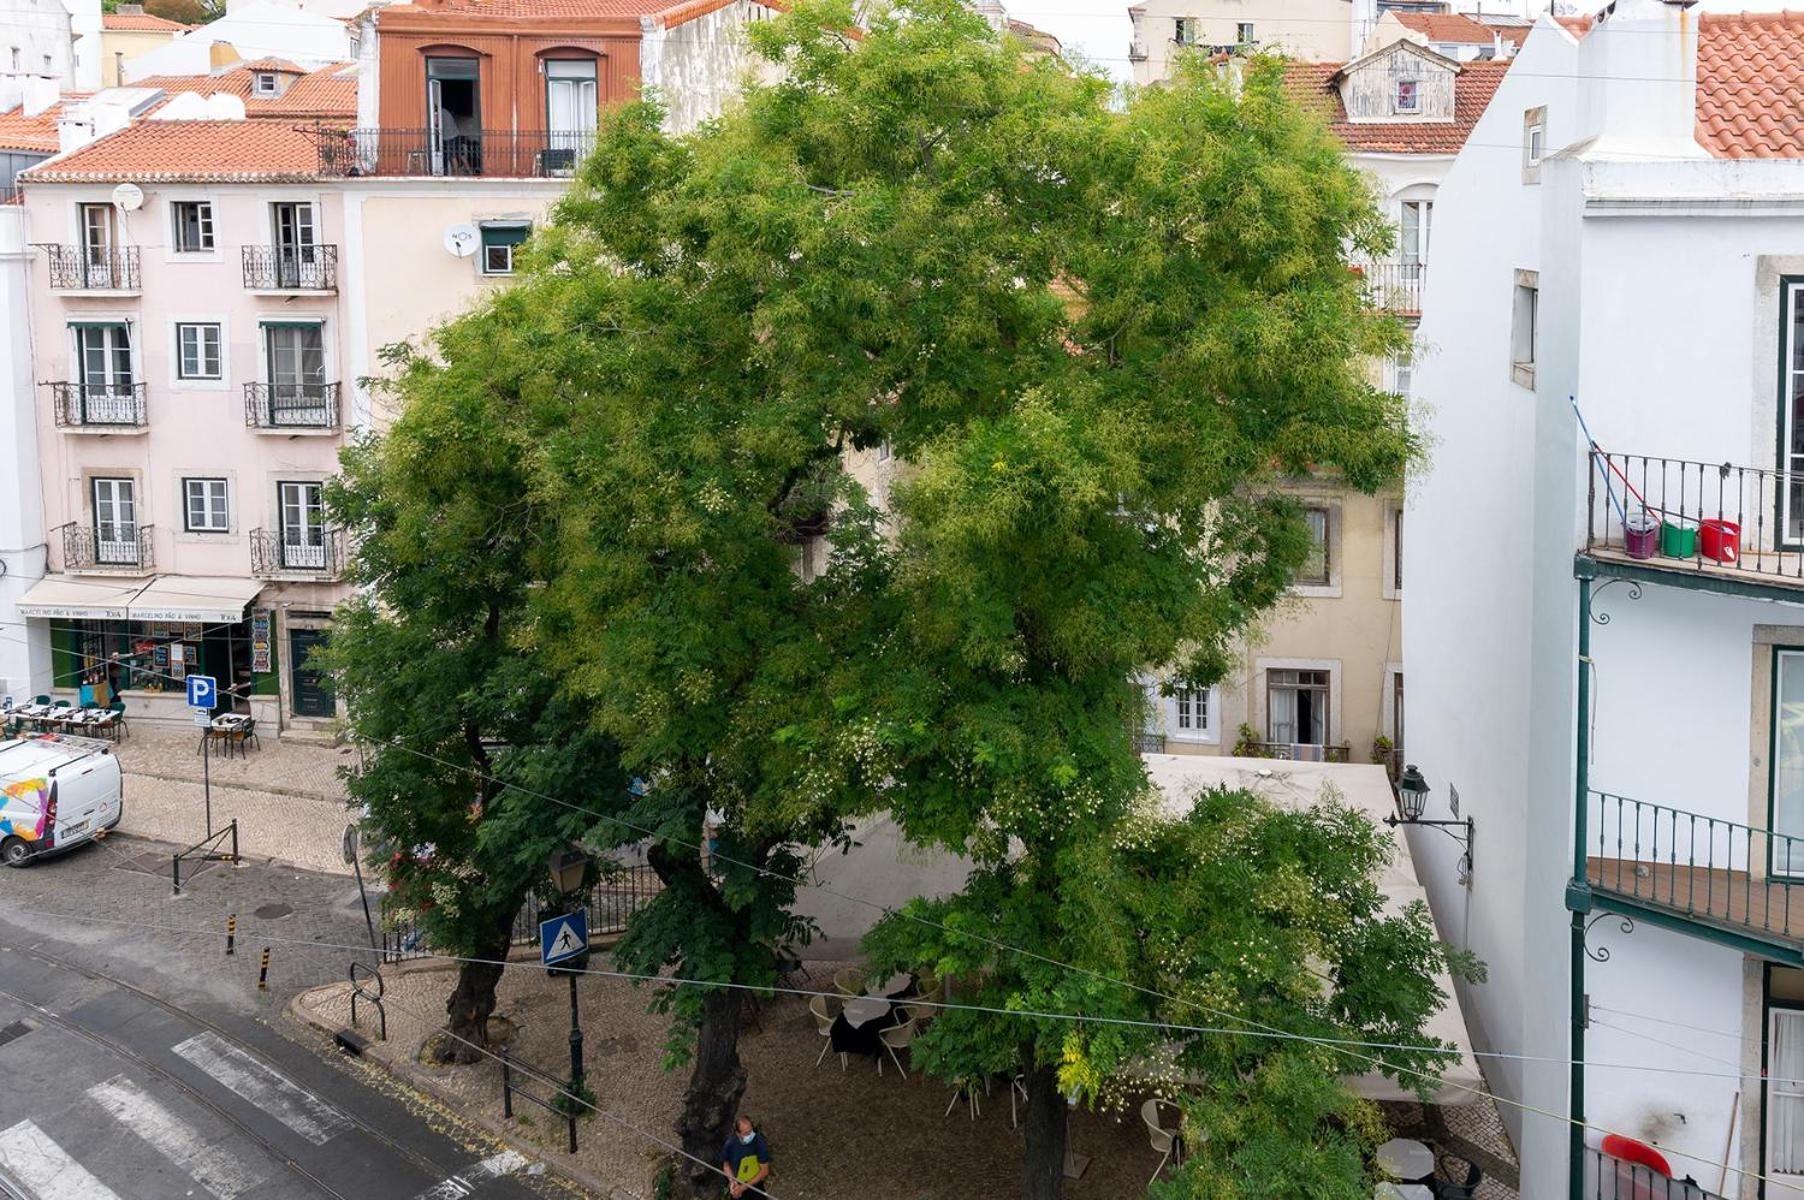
(79, 268)
(1296, 751)
(1608, 1178)
(1394, 287)
(316, 552)
(98, 406)
(1149, 743)
(1716, 518)
(1705, 870)
(121, 547)
(506, 154)
(291, 269)
(290, 406)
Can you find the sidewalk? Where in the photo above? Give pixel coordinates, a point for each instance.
(287, 797)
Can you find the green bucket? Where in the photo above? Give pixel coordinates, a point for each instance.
(1676, 541)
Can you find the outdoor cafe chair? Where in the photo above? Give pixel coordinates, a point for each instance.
(850, 981)
(897, 1037)
(1164, 1140)
(824, 1010)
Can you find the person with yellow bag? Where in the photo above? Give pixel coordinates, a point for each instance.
(745, 1160)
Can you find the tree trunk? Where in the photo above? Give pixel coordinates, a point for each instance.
(715, 1087)
(472, 1001)
(1043, 1164)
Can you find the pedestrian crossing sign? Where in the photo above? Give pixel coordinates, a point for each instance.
(563, 938)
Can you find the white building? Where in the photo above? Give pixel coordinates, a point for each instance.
(24, 652)
(284, 29)
(1625, 226)
(44, 40)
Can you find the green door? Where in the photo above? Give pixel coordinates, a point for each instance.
(312, 689)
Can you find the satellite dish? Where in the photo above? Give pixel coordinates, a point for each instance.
(129, 196)
(461, 240)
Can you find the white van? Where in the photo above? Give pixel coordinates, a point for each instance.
(56, 792)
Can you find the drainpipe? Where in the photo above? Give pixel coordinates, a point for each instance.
(1578, 900)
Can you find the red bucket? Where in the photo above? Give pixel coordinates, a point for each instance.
(1720, 540)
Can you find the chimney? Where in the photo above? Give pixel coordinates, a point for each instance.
(130, 10)
(1639, 67)
(39, 93)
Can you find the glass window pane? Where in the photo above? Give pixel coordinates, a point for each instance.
(1788, 764)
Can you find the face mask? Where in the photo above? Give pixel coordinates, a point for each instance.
(747, 1137)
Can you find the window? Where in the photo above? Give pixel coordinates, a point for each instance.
(193, 226)
(1788, 763)
(1243, 33)
(1297, 707)
(303, 513)
(1416, 217)
(204, 506)
(115, 521)
(1534, 143)
(264, 85)
(570, 108)
(1791, 406)
(1523, 320)
(197, 350)
(1407, 96)
(1315, 569)
(1187, 28)
(1403, 375)
(1397, 556)
(1190, 713)
(295, 357)
(498, 241)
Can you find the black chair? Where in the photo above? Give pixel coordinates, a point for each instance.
(1455, 1178)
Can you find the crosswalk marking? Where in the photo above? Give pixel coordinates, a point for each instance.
(464, 1182)
(264, 1086)
(45, 1169)
(210, 1166)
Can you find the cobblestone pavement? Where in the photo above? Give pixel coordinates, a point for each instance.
(287, 797)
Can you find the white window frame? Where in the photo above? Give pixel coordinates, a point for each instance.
(217, 374)
(1261, 697)
(1791, 438)
(1772, 1092)
(1193, 26)
(1174, 714)
(1534, 143)
(1243, 34)
(1394, 523)
(1330, 590)
(1415, 97)
(1418, 212)
(208, 230)
(264, 85)
(483, 248)
(218, 522)
(1525, 327)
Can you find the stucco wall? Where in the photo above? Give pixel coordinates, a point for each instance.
(698, 67)
(1311, 30)
(37, 30)
(122, 45)
(266, 27)
(24, 650)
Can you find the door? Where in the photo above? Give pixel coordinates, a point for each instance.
(1297, 707)
(570, 111)
(1785, 1096)
(453, 116)
(1417, 219)
(312, 689)
(99, 237)
(104, 393)
(296, 254)
(115, 521)
(303, 527)
(1788, 764)
(1791, 409)
(296, 356)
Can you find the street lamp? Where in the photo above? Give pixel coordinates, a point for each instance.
(1412, 801)
(568, 866)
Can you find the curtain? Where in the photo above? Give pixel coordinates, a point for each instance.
(1281, 725)
(1788, 766)
(1785, 1093)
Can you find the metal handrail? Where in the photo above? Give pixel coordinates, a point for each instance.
(311, 268)
(1746, 520)
(84, 549)
(504, 154)
(274, 554)
(291, 405)
(1610, 1178)
(612, 903)
(79, 268)
(1394, 286)
(1703, 868)
(1298, 751)
(98, 405)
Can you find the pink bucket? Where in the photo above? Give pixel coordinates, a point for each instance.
(1640, 535)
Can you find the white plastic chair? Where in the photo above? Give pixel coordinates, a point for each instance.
(897, 1037)
(1164, 1140)
(849, 981)
(824, 1009)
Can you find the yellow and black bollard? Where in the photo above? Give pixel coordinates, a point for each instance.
(231, 932)
(263, 972)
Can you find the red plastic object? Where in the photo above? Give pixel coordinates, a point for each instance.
(1721, 540)
(1630, 1150)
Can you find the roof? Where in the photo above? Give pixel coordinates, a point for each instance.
(280, 65)
(1750, 98)
(155, 151)
(36, 132)
(1313, 85)
(144, 22)
(1445, 27)
(661, 12)
(327, 93)
(1512, 29)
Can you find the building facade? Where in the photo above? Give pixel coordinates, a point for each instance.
(127, 32)
(1604, 651)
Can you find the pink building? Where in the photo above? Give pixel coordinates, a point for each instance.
(191, 404)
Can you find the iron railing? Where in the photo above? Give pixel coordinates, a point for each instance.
(612, 903)
(507, 154)
(291, 268)
(1705, 516)
(310, 551)
(79, 268)
(84, 549)
(1705, 869)
(1608, 1178)
(1394, 287)
(1149, 743)
(98, 405)
(291, 405)
(1297, 751)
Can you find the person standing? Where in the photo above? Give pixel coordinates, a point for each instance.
(745, 1160)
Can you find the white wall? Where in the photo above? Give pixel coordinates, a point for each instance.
(31, 32)
(24, 651)
(697, 68)
(256, 29)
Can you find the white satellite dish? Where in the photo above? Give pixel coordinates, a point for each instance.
(129, 196)
(461, 240)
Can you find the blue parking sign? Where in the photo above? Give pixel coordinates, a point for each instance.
(203, 691)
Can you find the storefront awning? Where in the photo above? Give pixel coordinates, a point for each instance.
(218, 600)
(86, 599)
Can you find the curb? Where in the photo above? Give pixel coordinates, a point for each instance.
(266, 789)
(243, 859)
(417, 1079)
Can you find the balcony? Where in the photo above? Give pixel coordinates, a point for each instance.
(1608, 1178)
(1698, 874)
(123, 550)
(79, 269)
(285, 269)
(1149, 743)
(291, 408)
(1713, 526)
(99, 407)
(307, 554)
(1136, 52)
(422, 153)
(1293, 751)
(1394, 287)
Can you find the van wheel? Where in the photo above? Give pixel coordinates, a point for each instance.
(14, 852)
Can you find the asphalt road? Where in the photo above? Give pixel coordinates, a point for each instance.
(141, 1064)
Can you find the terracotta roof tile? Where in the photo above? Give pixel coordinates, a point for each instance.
(38, 132)
(1445, 27)
(1750, 100)
(603, 9)
(272, 64)
(142, 22)
(189, 151)
(1577, 26)
(1312, 85)
(328, 93)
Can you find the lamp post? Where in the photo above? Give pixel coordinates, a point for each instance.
(568, 866)
(1412, 801)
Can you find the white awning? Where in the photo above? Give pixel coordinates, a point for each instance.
(217, 600)
(86, 599)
